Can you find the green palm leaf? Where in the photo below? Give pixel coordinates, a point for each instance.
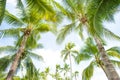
(116, 63)
(5, 62)
(35, 56)
(99, 10)
(114, 52)
(65, 31)
(39, 5)
(31, 71)
(108, 34)
(82, 56)
(2, 9)
(43, 27)
(88, 72)
(59, 7)
(7, 49)
(13, 20)
(12, 32)
(21, 9)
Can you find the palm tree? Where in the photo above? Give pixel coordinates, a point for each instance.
(89, 15)
(57, 74)
(44, 74)
(75, 74)
(69, 52)
(30, 22)
(91, 53)
(25, 61)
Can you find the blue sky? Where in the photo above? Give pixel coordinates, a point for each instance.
(51, 50)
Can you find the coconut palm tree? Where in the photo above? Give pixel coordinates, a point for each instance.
(89, 15)
(75, 74)
(91, 53)
(68, 52)
(30, 22)
(25, 62)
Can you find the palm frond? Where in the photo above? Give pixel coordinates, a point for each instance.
(31, 42)
(31, 71)
(108, 34)
(7, 49)
(35, 56)
(6, 60)
(70, 4)
(116, 63)
(88, 72)
(99, 10)
(2, 9)
(60, 7)
(64, 54)
(65, 31)
(21, 8)
(79, 28)
(39, 5)
(43, 27)
(2, 75)
(114, 52)
(13, 20)
(12, 32)
(82, 57)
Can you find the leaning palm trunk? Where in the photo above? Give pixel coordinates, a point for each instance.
(70, 66)
(103, 68)
(109, 68)
(17, 58)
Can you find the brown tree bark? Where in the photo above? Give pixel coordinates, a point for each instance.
(109, 68)
(17, 58)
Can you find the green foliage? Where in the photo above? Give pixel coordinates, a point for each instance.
(13, 20)
(65, 31)
(39, 6)
(6, 60)
(12, 32)
(25, 61)
(114, 52)
(2, 9)
(68, 51)
(90, 52)
(31, 71)
(116, 63)
(88, 72)
(94, 13)
(82, 57)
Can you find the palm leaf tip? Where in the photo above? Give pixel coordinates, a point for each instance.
(65, 31)
(88, 72)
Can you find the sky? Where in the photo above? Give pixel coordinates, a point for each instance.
(51, 50)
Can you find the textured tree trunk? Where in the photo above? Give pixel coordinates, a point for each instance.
(103, 68)
(109, 68)
(17, 58)
(70, 67)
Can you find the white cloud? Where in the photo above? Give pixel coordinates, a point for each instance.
(51, 57)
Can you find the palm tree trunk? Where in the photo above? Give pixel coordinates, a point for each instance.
(75, 77)
(109, 68)
(70, 67)
(103, 68)
(17, 58)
